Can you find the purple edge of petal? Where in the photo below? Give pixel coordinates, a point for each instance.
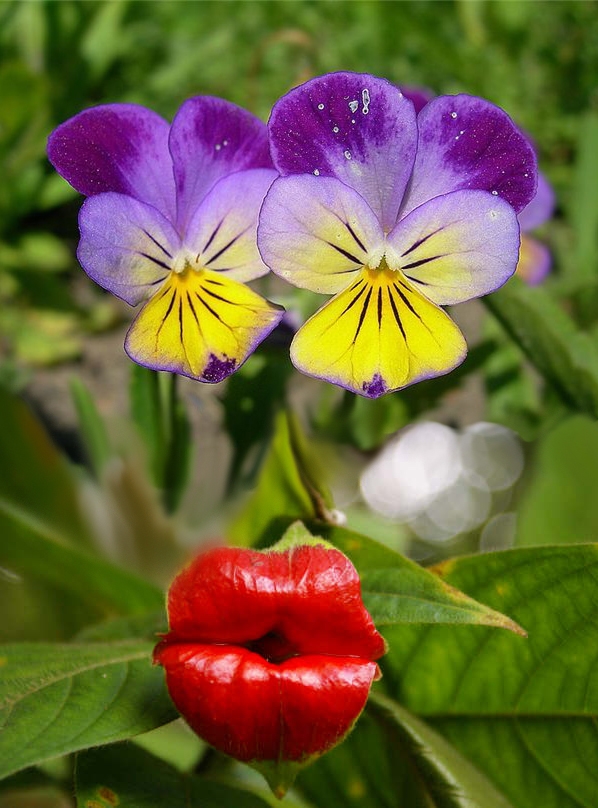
(218, 368)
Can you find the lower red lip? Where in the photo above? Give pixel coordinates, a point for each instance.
(270, 656)
(253, 709)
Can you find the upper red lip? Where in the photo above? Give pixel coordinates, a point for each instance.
(270, 656)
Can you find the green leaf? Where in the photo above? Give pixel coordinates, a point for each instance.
(290, 487)
(565, 356)
(58, 698)
(251, 399)
(91, 426)
(558, 504)
(584, 211)
(393, 759)
(523, 711)
(130, 777)
(397, 590)
(161, 418)
(447, 779)
(42, 531)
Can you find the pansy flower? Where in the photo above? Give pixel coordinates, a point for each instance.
(171, 221)
(534, 257)
(396, 216)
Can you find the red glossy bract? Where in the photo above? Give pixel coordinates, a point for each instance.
(270, 655)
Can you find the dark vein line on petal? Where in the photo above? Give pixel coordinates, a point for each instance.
(379, 306)
(209, 308)
(422, 240)
(154, 260)
(226, 247)
(211, 239)
(214, 282)
(422, 261)
(345, 253)
(157, 243)
(364, 309)
(219, 297)
(395, 311)
(168, 310)
(356, 239)
(181, 320)
(408, 303)
(354, 301)
(192, 307)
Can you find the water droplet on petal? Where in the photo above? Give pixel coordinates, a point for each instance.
(320, 106)
(348, 154)
(453, 114)
(218, 147)
(353, 105)
(225, 142)
(365, 97)
(335, 130)
(353, 120)
(317, 172)
(494, 193)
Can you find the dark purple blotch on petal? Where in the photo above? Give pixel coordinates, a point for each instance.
(377, 387)
(468, 143)
(116, 147)
(217, 369)
(352, 126)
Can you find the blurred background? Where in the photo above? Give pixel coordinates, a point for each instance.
(110, 457)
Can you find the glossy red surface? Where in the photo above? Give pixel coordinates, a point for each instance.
(270, 656)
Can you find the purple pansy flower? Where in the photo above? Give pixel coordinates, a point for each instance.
(534, 257)
(394, 215)
(171, 219)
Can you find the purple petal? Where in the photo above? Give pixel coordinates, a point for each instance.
(466, 142)
(223, 231)
(116, 147)
(317, 233)
(209, 139)
(541, 208)
(126, 247)
(355, 127)
(535, 261)
(419, 96)
(457, 246)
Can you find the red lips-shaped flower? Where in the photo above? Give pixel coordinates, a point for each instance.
(270, 656)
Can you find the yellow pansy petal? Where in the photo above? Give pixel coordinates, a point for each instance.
(200, 324)
(379, 335)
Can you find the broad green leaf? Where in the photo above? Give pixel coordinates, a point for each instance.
(442, 772)
(392, 759)
(130, 777)
(42, 532)
(524, 711)
(397, 590)
(58, 698)
(565, 356)
(289, 487)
